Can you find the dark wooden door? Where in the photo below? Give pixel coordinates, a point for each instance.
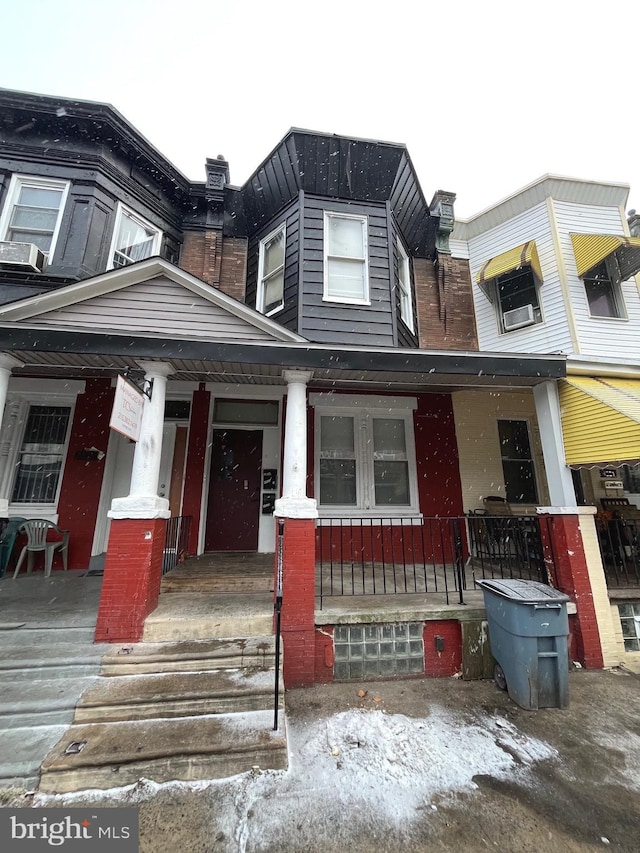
(233, 511)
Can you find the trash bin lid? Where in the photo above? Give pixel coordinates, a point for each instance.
(524, 592)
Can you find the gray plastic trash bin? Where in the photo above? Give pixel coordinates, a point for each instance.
(528, 633)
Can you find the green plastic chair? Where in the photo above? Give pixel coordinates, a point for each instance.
(7, 541)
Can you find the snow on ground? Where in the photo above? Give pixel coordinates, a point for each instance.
(357, 767)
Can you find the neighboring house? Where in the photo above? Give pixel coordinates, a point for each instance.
(311, 343)
(555, 271)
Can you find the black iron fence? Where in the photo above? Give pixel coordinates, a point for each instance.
(619, 541)
(395, 556)
(176, 541)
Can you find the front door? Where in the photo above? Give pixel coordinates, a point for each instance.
(233, 511)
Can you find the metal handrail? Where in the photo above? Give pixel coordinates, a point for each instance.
(277, 606)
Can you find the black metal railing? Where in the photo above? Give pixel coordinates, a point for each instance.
(396, 556)
(176, 542)
(510, 546)
(619, 542)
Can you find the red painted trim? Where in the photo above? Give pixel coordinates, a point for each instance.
(82, 479)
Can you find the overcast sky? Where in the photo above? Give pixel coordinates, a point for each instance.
(486, 95)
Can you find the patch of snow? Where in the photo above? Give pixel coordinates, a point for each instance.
(354, 768)
(627, 744)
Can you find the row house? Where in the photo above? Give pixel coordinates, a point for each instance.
(554, 269)
(319, 390)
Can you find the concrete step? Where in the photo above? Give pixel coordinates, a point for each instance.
(25, 670)
(189, 656)
(21, 635)
(41, 702)
(211, 584)
(186, 617)
(177, 694)
(23, 749)
(185, 748)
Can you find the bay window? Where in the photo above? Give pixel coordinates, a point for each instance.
(33, 212)
(134, 239)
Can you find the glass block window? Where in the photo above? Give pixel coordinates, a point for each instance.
(370, 651)
(41, 455)
(630, 621)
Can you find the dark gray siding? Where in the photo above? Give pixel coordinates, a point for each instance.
(288, 316)
(332, 322)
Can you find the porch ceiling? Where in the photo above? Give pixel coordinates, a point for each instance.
(51, 354)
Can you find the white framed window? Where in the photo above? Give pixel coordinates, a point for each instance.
(365, 458)
(134, 239)
(404, 287)
(517, 300)
(33, 212)
(630, 624)
(38, 469)
(603, 291)
(270, 293)
(346, 275)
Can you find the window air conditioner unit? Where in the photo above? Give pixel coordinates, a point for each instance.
(518, 317)
(21, 256)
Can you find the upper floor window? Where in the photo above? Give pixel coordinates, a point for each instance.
(517, 300)
(602, 286)
(270, 295)
(346, 276)
(404, 287)
(517, 462)
(134, 239)
(33, 212)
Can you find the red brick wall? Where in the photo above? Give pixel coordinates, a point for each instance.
(324, 655)
(233, 267)
(132, 575)
(298, 608)
(444, 304)
(572, 577)
(219, 262)
(449, 661)
(82, 481)
(196, 457)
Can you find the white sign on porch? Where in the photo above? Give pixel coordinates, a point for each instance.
(126, 415)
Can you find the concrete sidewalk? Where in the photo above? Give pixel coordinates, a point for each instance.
(419, 765)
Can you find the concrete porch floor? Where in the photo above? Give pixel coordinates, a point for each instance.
(231, 595)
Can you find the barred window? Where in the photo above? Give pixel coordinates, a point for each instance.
(41, 455)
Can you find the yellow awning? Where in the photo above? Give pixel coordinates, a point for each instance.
(590, 249)
(525, 255)
(600, 420)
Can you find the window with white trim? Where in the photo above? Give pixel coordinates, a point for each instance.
(365, 461)
(603, 291)
(404, 287)
(270, 293)
(346, 275)
(517, 462)
(33, 212)
(41, 455)
(630, 624)
(134, 239)
(517, 300)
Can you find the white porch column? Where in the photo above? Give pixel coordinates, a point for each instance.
(7, 363)
(294, 502)
(561, 491)
(143, 500)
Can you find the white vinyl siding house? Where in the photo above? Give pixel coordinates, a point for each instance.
(552, 333)
(597, 336)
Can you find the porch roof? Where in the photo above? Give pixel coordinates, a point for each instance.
(72, 352)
